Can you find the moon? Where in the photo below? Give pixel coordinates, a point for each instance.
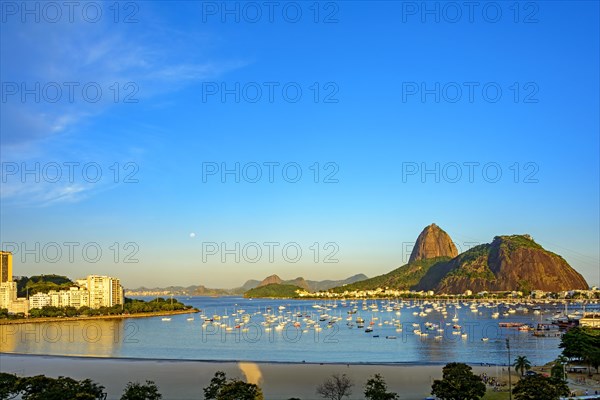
(192, 235)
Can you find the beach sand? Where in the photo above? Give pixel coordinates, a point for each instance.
(185, 379)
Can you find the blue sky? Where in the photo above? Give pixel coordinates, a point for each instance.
(368, 126)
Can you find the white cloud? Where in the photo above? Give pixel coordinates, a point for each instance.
(92, 53)
(32, 131)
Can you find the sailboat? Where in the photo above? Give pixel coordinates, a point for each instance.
(455, 318)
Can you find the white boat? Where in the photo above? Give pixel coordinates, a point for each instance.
(455, 319)
(165, 319)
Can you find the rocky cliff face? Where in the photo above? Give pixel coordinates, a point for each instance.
(514, 262)
(433, 242)
(509, 263)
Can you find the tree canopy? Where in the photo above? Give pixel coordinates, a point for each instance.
(8, 386)
(138, 391)
(41, 387)
(221, 388)
(376, 389)
(458, 383)
(583, 344)
(540, 387)
(522, 364)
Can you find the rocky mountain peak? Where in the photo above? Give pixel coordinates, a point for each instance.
(433, 242)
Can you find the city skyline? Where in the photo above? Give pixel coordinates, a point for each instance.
(200, 136)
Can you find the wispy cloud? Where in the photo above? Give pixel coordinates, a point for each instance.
(144, 64)
(43, 194)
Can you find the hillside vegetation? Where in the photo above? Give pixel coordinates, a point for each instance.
(42, 284)
(274, 290)
(406, 277)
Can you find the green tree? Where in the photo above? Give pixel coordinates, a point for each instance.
(238, 390)
(138, 391)
(376, 389)
(522, 364)
(540, 387)
(336, 387)
(582, 343)
(8, 386)
(458, 383)
(558, 369)
(220, 388)
(216, 383)
(41, 387)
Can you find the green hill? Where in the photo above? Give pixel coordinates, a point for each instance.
(274, 290)
(405, 277)
(42, 284)
(511, 262)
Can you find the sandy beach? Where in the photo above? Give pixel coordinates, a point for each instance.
(185, 379)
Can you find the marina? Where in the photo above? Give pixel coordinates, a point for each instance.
(318, 331)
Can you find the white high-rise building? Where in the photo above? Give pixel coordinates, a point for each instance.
(79, 297)
(105, 291)
(8, 293)
(95, 291)
(39, 300)
(74, 297)
(9, 299)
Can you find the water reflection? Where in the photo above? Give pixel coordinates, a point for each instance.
(242, 333)
(252, 372)
(97, 338)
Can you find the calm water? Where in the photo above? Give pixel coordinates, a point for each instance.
(194, 340)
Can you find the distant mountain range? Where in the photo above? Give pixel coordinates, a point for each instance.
(311, 286)
(200, 290)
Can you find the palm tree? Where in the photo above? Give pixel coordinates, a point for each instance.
(558, 370)
(522, 364)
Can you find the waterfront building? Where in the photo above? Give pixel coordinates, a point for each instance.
(6, 266)
(75, 296)
(95, 291)
(78, 297)
(591, 320)
(104, 291)
(39, 300)
(8, 293)
(9, 299)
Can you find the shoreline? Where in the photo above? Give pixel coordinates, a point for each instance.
(216, 361)
(95, 317)
(185, 379)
